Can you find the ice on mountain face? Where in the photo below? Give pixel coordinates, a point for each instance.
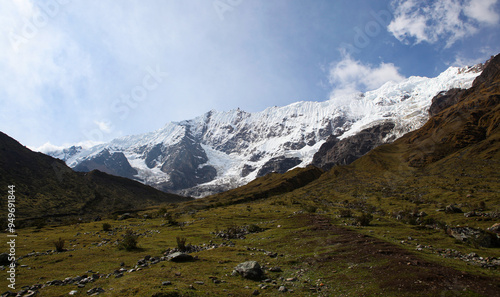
(406, 103)
(237, 144)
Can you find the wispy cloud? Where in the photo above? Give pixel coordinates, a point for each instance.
(444, 20)
(349, 76)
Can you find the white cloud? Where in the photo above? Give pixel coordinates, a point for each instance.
(349, 76)
(443, 20)
(104, 126)
(47, 148)
(482, 11)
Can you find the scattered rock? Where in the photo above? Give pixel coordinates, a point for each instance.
(256, 292)
(495, 228)
(275, 269)
(95, 291)
(180, 257)
(282, 289)
(73, 292)
(475, 236)
(453, 208)
(166, 283)
(250, 270)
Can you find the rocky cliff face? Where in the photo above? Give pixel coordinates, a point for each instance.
(112, 163)
(222, 150)
(343, 152)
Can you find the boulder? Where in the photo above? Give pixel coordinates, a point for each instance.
(250, 270)
(453, 208)
(475, 236)
(4, 259)
(495, 228)
(180, 257)
(95, 291)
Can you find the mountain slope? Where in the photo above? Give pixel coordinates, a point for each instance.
(46, 186)
(222, 150)
(453, 158)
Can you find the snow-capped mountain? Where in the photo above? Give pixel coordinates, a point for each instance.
(222, 150)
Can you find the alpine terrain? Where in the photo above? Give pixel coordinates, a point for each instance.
(223, 150)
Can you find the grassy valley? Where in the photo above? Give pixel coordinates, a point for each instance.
(412, 218)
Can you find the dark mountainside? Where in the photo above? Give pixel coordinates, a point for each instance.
(46, 187)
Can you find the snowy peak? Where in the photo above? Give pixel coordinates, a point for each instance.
(220, 150)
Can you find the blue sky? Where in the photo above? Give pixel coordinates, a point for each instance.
(74, 71)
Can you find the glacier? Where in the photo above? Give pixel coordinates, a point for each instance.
(220, 150)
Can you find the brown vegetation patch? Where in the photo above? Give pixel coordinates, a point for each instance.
(395, 269)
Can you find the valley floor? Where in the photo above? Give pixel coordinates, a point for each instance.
(305, 251)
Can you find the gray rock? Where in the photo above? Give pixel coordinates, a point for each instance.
(95, 291)
(475, 236)
(166, 283)
(180, 257)
(282, 289)
(250, 270)
(30, 293)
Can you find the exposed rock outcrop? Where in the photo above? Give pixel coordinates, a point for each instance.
(343, 152)
(112, 163)
(278, 165)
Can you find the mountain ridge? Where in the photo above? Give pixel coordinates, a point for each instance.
(47, 187)
(218, 151)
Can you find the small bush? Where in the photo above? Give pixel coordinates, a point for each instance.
(129, 241)
(162, 211)
(169, 219)
(59, 244)
(40, 223)
(345, 213)
(252, 228)
(310, 208)
(106, 227)
(364, 219)
(181, 243)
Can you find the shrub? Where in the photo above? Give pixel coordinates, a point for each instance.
(40, 223)
(181, 243)
(129, 241)
(162, 211)
(170, 219)
(364, 219)
(345, 213)
(252, 228)
(59, 244)
(106, 227)
(310, 208)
